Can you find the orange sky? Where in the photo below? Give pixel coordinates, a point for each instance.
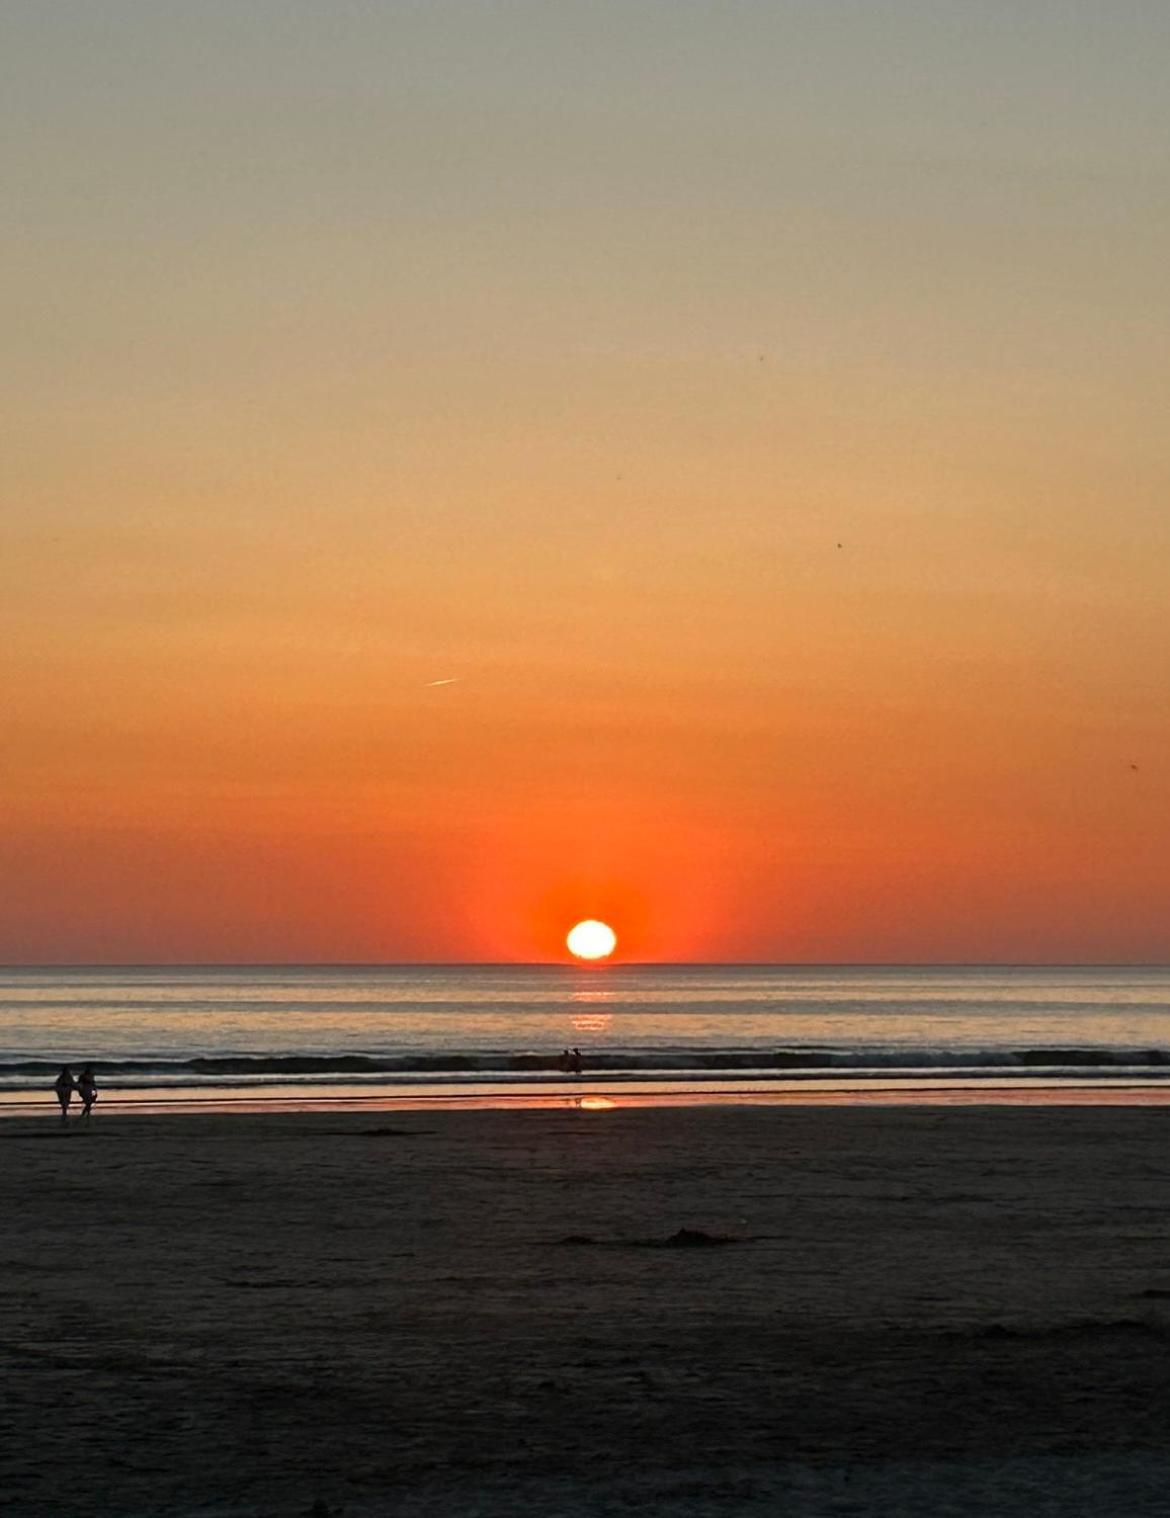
(759, 418)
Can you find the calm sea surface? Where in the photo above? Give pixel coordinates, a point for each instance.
(193, 1034)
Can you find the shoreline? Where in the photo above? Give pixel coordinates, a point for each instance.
(1019, 1093)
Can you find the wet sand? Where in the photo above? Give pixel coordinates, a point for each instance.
(913, 1310)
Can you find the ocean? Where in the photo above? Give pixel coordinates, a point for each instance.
(396, 1035)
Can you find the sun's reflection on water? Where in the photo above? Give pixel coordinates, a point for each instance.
(593, 1022)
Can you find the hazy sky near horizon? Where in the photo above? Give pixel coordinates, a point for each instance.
(754, 412)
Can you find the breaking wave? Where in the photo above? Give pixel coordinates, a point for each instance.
(474, 1066)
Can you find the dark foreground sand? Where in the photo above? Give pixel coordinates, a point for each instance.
(927, 1311)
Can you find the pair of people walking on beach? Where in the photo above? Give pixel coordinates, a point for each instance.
(85, 1085)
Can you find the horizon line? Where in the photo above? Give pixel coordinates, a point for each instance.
(592, 966)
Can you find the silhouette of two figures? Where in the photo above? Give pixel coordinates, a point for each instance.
(85, 1085)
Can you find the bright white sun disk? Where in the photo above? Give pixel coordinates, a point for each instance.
(591, 939)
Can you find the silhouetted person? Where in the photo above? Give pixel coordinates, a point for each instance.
(63, 1086)
(576, 1063)
(87, 1090)
(565, 1063)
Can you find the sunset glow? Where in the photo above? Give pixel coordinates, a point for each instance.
(474, 468)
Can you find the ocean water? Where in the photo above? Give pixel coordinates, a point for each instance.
(420, 1032)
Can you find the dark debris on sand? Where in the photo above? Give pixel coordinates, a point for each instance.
(379, 1133)
(683, 1238)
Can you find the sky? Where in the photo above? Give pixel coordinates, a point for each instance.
(471, 466)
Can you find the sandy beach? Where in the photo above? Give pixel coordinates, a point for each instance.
(911, 1310)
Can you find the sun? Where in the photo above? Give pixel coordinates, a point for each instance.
(591, 940)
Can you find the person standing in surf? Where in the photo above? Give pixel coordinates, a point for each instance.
(64, 1087)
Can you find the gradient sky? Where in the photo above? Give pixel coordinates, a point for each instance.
(757, 410)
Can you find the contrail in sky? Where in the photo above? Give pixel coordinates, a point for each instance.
(454, 680)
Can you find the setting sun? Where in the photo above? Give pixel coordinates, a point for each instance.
(591, 940)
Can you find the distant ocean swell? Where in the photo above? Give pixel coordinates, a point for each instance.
(472, 1066)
